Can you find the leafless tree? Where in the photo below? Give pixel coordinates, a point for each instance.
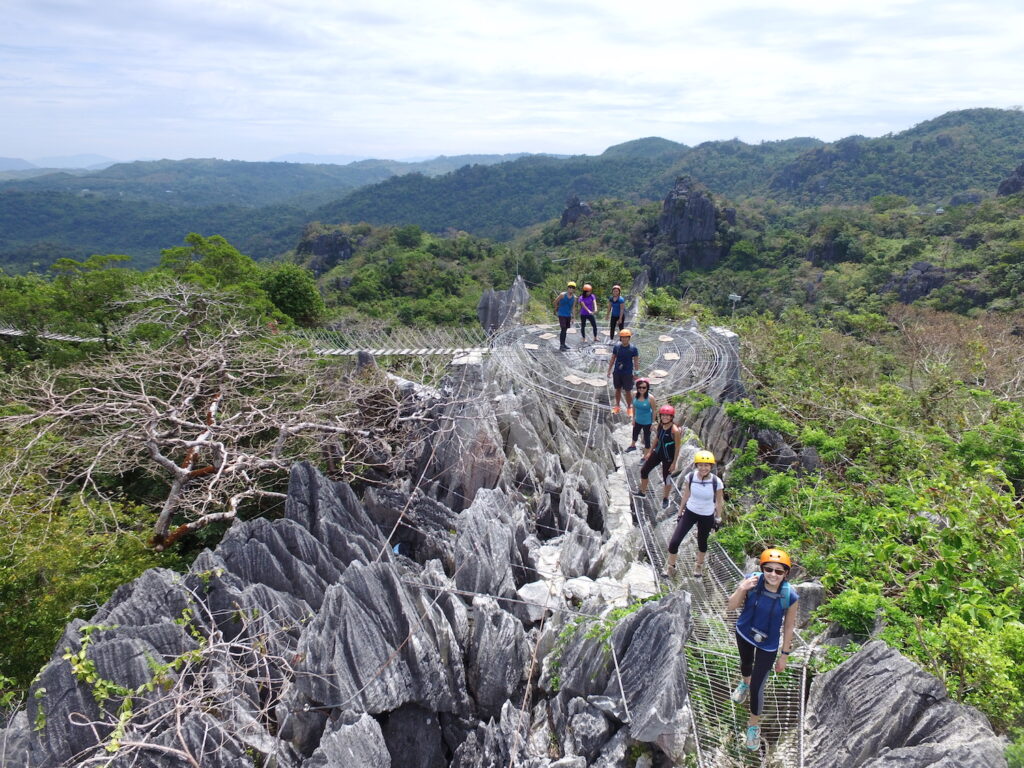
(209, 405)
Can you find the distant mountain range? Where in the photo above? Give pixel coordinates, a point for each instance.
(138, 208)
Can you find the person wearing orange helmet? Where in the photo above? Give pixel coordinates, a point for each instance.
(764, 632)
(701, 505)
(616, 311)
(588, 308)
(664, 450)
(624, 357)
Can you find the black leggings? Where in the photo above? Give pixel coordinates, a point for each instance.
(583, 325)
(619, 321)
(652, 462)
(563, 324)
(686, 521)
(646, 429)
(757, 664)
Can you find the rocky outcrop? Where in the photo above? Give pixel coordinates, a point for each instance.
(500, 309)
(879, 710)
(574, 211)
(1013, 183)
(688, 226)
(920, 279)
(325, 251)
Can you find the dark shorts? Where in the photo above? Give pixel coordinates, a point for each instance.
(622, 380)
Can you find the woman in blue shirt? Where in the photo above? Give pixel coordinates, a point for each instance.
(616, 311)
(763, 629)
(565, 305)
(643, 414)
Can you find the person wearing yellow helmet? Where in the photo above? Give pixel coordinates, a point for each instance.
(624, 357)
(565, 307)
(701, 505)
(616, 311)
(764, 632)
(588, 307)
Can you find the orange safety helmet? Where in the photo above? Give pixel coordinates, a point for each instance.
(776, 556)
(588, 287)
(625, 332)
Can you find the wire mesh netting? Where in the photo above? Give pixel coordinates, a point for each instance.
(712, 656)
(676, 360)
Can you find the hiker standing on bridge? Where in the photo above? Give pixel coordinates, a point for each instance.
(616, 311)
(588, 307)
(664, 450)
(624, 357)
(565, 306)
(643, 414)
(764, 632)
(702, 503)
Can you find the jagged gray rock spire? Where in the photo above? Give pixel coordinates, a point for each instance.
(500, 309)
(880, 710)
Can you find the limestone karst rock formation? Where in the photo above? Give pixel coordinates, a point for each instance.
(309, 641)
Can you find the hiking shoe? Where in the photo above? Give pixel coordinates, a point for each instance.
(668, 573)
(631, 448)
(698, 575)
(629, 411)
(740, 692)
(753, 741)
(616, 409)
(664, 503)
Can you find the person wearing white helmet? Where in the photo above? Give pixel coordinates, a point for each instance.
(702, 502)
(616, 311)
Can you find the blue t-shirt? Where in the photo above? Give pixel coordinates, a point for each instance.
(643, 413)
(617, 305)
(763, 612)
(624, 358)
(565, 304)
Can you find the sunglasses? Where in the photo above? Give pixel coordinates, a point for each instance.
(641, 386)
(774, 570)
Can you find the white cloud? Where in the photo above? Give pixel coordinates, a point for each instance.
(253, 80)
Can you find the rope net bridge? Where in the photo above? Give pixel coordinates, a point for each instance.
(712, 658)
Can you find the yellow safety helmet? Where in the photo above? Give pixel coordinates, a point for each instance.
(776, 556)
(703, 457)
(570, 284)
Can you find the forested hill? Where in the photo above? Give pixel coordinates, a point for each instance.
(498, 200)
(139, 208)
(960, 153)
(208, 182)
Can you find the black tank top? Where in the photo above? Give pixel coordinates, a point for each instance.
(666, 443)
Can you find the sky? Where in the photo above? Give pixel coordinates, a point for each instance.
(404, 79)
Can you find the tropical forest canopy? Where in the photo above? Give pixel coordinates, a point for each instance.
(880, 317)
(139, 208)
